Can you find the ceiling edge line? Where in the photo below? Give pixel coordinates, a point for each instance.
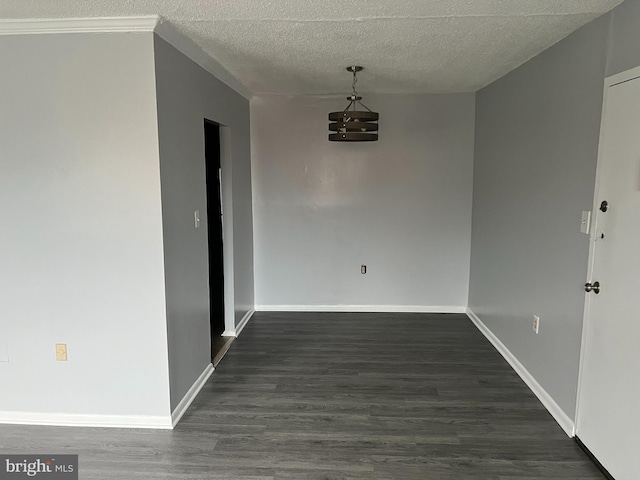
(143, 23)
(339, 96)
(195, 53)
(35, 26)
(390, 17)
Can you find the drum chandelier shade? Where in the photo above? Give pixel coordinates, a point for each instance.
(351, 124)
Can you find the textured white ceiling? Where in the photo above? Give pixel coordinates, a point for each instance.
(303, 46)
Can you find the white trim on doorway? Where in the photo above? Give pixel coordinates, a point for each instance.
(226, 200)
(241, 324)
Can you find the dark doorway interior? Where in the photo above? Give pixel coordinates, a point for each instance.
(214, 225)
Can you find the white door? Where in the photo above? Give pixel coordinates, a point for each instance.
(608, 416)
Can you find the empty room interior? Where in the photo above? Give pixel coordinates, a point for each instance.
(319, 240)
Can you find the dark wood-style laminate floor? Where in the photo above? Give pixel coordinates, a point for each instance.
(340, 396)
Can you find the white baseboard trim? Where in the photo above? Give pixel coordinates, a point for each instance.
(364, 308)
(241, 324)
(191, 395)
(73, 420)
(554, 409)
(244, 321)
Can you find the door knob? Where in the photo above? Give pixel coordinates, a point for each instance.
(604, 206)
(592, 287)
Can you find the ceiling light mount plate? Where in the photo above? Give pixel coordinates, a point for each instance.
(355, 68)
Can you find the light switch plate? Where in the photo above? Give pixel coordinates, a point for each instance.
(536, 324)
(61, 352)
(4, 352)
(585, 223)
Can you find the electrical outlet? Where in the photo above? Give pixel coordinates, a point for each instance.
(363, 269)
(536, 323)
(61, 352)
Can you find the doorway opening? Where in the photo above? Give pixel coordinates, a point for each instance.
(219, 344)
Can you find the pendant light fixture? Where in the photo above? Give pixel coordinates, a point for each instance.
(353, 124)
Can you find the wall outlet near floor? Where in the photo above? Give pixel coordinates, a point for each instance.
(363, 269)
(61, 352)
(536, 323)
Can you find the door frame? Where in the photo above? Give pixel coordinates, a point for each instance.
(226, 200)
(227, 230)
(609, 82)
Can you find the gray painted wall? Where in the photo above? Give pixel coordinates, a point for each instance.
(537, 133)
(81, 247)
(186, 95)
(401, 205)
(624, 53)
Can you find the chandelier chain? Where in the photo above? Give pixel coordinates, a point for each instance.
(353, 84)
